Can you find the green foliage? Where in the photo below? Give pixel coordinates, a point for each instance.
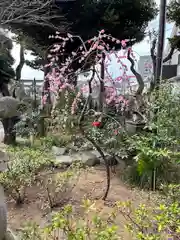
(173, 13)
(6, 60)
(63, 121)
(152, 223)
(156, 221)
(58, 140)
(59, 185)
(30, 231)
(152, 156)
(28, 124)
(157, 152)
(167, 106)
(23, 167)
(116, 17)
(171, 193)
(67, 224)
(111, 137)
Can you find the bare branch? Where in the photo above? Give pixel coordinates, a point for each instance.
(37, 12)
(169, 56)
(153, 55)
(98, 148)
(136, 74)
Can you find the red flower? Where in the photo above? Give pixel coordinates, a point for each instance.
(96, 124)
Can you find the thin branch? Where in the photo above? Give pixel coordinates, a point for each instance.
(93, 142)
(153, 56)
(169, 56)
(136, 74)
(37, 12)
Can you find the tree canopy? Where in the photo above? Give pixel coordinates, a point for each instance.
(6, 60)
(173, 15)
(125, 19)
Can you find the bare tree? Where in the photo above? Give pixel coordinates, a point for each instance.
(136, 74)
(153, 39)
(139, 78)
(28, 12)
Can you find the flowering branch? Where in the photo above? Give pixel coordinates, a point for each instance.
(36, 12)
(88, 55)
(92, 141)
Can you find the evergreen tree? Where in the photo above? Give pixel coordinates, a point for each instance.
(6, 62)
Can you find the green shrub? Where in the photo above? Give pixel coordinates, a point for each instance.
(59, 185)
(58, 140)
(23, 167)
(67, 224)
(154, 159)
(171, 193)
(145, 222)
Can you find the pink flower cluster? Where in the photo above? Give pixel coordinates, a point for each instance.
(60, 76)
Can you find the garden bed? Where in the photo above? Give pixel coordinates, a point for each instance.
(89, 185)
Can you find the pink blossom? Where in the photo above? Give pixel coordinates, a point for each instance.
(119, 78)
(100, 47)
(44, 99)
(123, 43)
(59, 76)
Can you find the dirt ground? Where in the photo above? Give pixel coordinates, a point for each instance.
(89, 185)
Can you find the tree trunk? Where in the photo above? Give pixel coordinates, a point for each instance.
(21, 63)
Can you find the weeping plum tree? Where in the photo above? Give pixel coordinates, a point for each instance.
(126, 19)
(59, 81)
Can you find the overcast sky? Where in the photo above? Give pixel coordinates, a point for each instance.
(140, 49)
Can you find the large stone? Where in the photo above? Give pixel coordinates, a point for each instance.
(111, 160)
(87, 158)
(121, 163)
(64, 160)
(98, 155)
(108, 157)
(58, 151)
(9, 107)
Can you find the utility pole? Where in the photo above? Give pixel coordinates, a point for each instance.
(160, 47)
(158, 73)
